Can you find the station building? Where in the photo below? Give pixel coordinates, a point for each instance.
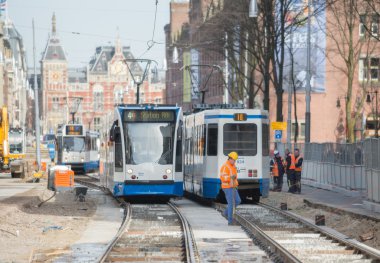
(93, 91)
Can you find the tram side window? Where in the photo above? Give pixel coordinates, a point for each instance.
(241, 138)
(212, 140)
(118, 151)
(265, 141)
(178, 152)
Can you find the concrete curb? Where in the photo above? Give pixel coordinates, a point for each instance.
(340, 211)
(372, 206)
(346, 192)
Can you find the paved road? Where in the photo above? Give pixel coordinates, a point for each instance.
(12, 186)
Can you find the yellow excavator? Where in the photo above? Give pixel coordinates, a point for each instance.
(12, 147)
(4, 144)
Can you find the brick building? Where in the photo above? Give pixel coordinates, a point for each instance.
(329, 100)
(13, 74)
(91, 92)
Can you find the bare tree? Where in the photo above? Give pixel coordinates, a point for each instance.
(342, 30)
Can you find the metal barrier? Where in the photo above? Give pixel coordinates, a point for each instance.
(372, 168)
(353, 166)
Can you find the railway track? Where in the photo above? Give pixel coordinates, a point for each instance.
(152, 233)
(293, 239)
(149, 233)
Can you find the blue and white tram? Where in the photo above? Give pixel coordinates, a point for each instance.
(78, 148)
(210, 135)
(143, 155)
(92, 148)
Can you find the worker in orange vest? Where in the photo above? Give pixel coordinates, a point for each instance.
(298, 170)
(290, 170)
(278, 171)
(228, 177)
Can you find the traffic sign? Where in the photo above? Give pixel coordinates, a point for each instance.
(277, 135)
(278, 126)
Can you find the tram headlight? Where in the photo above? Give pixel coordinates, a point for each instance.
(168, 171)
(82, 160)
(130, 171)
(133, 176)
(165, 176)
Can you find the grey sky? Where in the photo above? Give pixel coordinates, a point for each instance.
(96, 22)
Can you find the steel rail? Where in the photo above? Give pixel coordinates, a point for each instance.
(285, 255)
(124, 225)
(191, 248)
(119, 234)
(372, 253)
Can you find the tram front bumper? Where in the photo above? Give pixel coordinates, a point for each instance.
(148, 188)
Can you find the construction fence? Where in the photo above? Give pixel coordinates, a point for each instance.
(353, 166)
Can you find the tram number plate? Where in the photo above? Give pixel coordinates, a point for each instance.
(240, 161)
(240, 117)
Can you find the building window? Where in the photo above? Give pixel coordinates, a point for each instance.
(362, 28)
(55, 103)
(118, 97)
(375, 25)
(98, 101)
(301, 129)
(369, 69)
(157, 100)
(97, 124)
(366, 25)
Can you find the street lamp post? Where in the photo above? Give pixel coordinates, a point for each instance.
(368, 100)
(338, 105)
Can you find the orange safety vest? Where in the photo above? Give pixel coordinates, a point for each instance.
(298, 169)
(275, 167)
(292, 162)
(226, 171)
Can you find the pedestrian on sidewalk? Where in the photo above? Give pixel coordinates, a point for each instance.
(290, 170)
(228, 177)
(278, 171)
(298, 170)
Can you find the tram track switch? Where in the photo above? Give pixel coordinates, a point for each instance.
(320, 220)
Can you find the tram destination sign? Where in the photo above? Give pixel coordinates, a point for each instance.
(74, 130)
(149, 116)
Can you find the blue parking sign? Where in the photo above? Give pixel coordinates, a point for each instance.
(277, 134)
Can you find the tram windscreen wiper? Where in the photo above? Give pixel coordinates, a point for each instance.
(164, 156)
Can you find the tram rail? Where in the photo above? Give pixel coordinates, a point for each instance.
(149, 232)
(294, 239)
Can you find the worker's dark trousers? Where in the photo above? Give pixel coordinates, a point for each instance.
(277, 182)
(291, 181)
(298, 181)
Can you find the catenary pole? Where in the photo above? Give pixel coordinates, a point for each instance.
(36, 104)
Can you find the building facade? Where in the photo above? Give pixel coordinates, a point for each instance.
(87, 95)
(13, 72)
(340, 86)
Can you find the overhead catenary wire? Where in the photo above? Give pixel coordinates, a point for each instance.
(81, 33)
(150, 43)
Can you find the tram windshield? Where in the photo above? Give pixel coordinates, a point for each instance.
(73, 144)
(149, 142)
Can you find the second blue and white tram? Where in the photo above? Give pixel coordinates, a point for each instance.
(78, 148)
(143, 155)
(210, 135)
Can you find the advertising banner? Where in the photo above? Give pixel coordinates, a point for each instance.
(186, 78)
(195, 74)
(296, 46)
